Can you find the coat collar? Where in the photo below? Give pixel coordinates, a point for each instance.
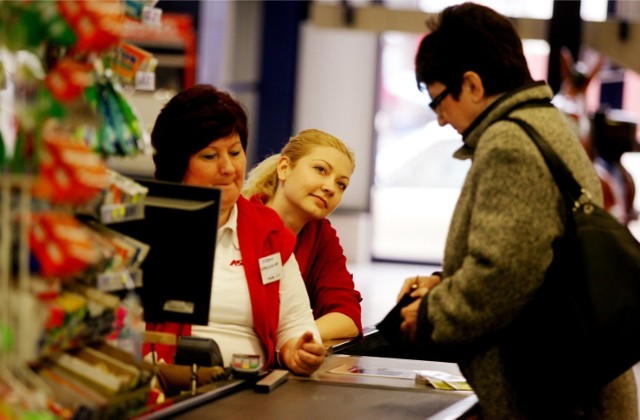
(536, 91)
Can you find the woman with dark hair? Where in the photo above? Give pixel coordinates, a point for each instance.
(199, 138)
(509, 215)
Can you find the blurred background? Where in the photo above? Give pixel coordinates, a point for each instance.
(347, 67)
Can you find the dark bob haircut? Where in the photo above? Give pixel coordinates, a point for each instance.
(471, 37)
(188, 123)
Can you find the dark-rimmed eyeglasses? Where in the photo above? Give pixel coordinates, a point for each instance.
(435, 103)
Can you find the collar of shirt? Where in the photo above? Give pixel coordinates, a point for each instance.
(231, 228)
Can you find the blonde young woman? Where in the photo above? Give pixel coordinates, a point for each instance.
(304, 183)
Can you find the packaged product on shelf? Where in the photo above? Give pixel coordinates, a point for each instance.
(122, 200)
(68, 79)
(97, 25)
(129, 59)
(62, 246)
(69, 172)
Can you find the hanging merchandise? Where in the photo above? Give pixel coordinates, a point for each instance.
(122, 133)
(68, 79)
(29, 23)
(69, 342)
(130, 59)
(79, 90)
(33, 105)
(70, 172)
(96, 24)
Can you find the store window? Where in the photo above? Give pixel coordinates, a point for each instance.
(416, 181)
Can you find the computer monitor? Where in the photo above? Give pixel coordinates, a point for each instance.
(180, 225)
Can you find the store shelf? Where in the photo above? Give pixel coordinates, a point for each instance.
(113, 213)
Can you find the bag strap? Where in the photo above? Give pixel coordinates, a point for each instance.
(574, 194)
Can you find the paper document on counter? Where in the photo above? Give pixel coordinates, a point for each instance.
(442, 380)
(433, 378)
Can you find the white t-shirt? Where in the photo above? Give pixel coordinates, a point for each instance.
(230, 316)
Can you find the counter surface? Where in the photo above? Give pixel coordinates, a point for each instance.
(336, 395)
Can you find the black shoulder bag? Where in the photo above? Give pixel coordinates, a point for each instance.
(582, 329)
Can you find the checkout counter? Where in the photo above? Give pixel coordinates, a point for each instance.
(343, 387)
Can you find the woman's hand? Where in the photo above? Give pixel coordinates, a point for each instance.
(418, 286)
(409, 325)
(304, 355)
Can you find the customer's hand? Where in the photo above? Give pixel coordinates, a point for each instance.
(304, 355)
(418, 286)
(409, 325)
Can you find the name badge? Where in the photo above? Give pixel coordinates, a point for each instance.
(271, 268)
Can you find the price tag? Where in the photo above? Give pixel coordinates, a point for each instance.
(145, 80)
(151, 15)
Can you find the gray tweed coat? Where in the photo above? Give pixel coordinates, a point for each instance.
(499, 246)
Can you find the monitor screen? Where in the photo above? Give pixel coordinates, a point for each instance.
(180, 225)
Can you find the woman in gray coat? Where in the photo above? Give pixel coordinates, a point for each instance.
(508, 214)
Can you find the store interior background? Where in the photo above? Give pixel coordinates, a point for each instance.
(346, 67)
